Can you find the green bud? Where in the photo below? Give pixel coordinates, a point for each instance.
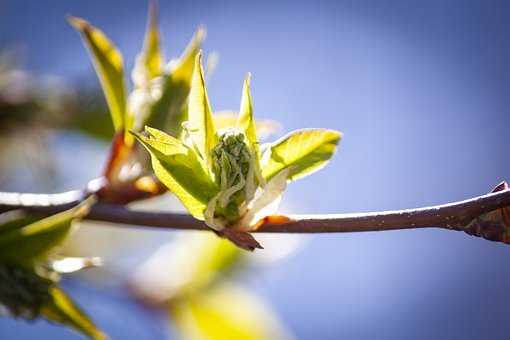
(232, 159)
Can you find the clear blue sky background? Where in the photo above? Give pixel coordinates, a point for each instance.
(420, 90)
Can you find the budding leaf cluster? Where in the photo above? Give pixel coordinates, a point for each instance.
(225, 177)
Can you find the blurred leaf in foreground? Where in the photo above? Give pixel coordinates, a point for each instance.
(28, 274)
(225, 312)
(191, 278)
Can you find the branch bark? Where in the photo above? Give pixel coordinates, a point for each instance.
(452, 216)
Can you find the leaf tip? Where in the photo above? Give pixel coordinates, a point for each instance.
(201, 33)
(153, 13)
(247, 79)
(78, 23)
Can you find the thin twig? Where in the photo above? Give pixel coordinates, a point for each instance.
(452, 216)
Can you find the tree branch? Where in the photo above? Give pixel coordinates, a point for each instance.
(453, 216)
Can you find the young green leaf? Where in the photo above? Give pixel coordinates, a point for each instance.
(30, 242)
(178, 168)
(302, 151)
(245, 122)
(109, 68)
(62, 309)
(170, 110)
(203, 132)
(149, 63)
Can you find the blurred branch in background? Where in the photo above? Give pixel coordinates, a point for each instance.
(32, 109)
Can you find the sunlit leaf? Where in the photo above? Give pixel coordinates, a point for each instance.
(62, 309)
(246, 122)
(109, 68)
(29, 242)
(179, 169)
(170, 110)
(200, 118)
(302, 151)
(148, 67)
(225, 312)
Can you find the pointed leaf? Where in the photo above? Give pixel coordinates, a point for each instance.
(170, 110)
(149, 63)
(62, 309)
(179, 169)
(302, 151)
(200, 116)
(246, 122)
(109, 68)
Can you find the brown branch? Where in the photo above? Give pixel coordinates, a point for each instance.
(452, 216)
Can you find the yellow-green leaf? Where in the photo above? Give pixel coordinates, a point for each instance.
(32, 241)
(109, 68)
(200, 117)
(62, 309)
(179, 169)
(302, 151)
(170, 110)
(245, 121)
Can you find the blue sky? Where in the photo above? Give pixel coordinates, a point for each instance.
(420, 91)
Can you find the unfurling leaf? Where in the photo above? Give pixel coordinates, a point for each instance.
(494, 225)
(109, 68)
(303, 152)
